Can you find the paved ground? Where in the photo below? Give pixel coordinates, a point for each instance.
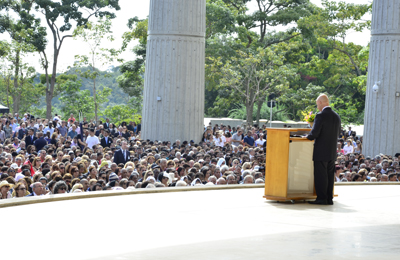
(223, 224)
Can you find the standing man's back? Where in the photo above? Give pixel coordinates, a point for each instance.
(325, 132)
(40, 142)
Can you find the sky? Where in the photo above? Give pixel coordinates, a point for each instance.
(139, 8)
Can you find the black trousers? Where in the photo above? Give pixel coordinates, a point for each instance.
(324, 173)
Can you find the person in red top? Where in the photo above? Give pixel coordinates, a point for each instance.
(71, 118)
(29, 162)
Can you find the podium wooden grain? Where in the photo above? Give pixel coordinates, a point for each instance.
(289, 169)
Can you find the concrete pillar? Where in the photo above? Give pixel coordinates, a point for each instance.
(173, 105)
(382, 110)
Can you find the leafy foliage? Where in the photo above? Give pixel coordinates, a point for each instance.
(132, 78)
(76, 101)
(122, 113)
(247, 58)
(254, 75)
(278, 113)
(69, 12)
(94, 34)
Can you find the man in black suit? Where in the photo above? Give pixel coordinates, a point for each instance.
(122, 155)
(139, 127)
(40, 142)
(99, 131)
(106, 141)
(106, 125)
(325, 132)
(30, 138)
(350, 133)
(22, 132)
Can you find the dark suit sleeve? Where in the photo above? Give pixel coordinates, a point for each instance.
(340, 123)
(28, 142)
(115, 157)
(316, 130)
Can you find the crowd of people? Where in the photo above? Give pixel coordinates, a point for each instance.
(43, 157)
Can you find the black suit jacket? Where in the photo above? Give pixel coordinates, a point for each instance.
(104, 143)
(131, 128)
(21, 133)
(126, 135)
(325, 132)
(28, 140)
(40, 143)
(119, 157)
(138, 128)
(350, 133)
(106, 125)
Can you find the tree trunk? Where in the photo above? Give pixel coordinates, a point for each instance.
(8, 92)
(249, 112)
(259, 105)
(95, 102)
(45, 64)
(16, 101)
(50, 90)
(15, 90)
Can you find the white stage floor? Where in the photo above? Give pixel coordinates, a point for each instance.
(222, 224)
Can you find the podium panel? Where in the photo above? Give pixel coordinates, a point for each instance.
(301, 168)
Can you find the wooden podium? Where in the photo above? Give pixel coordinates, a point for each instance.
(289, 168)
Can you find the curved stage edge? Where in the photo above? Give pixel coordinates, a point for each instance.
(100, 194)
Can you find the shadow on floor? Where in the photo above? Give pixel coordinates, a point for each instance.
(301, 205)
(372, 242)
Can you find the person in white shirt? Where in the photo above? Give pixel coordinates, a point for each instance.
(25, 118)
(252, 152)
(14, 125)
(348, 148)
(49, 128)
(57, 118)
(38, 122)
(260, 141)
(219, 139)
(92, 140)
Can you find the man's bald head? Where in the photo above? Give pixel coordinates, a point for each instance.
(322, 101)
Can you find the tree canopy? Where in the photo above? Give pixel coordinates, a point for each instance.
(248, 57)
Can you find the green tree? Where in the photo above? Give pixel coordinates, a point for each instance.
(22, 41)
(247, 31)
(95, 34)
(251, 75)
(18, 80)
(339, 66)
(132, 78)
(257, 25)
(74, 100)
(6, 76)
(121, 113)
(60, 16)
(335, 21)
(77, 101)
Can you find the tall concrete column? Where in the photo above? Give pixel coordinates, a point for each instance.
(173, 105)
(382, 110)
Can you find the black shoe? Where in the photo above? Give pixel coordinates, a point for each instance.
(319, 202)
(330, 202)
